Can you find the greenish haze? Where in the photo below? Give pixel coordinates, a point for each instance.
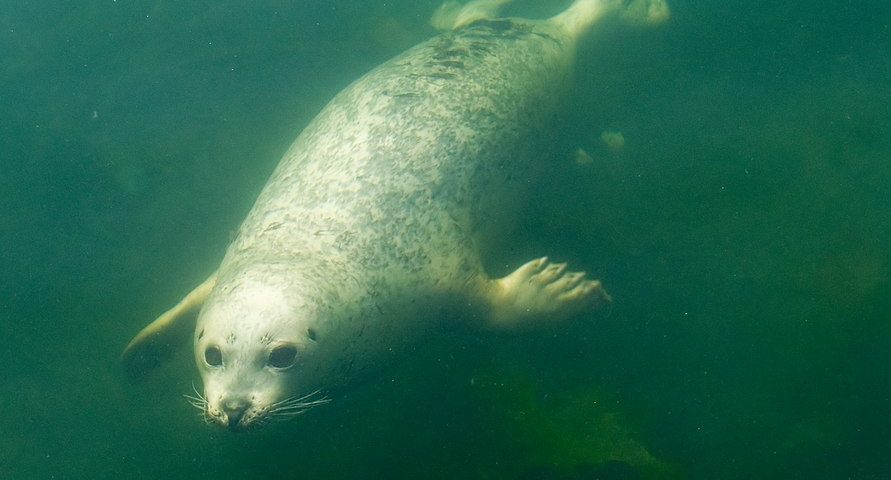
(743, 230)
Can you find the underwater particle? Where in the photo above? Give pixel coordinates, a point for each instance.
(582, 158)
(615, 141)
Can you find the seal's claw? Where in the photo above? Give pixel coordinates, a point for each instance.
(532, 267)
(551, 273)
(541, 291)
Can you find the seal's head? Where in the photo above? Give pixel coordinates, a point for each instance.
(254, 348)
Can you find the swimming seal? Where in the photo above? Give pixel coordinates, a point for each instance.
(377, 219)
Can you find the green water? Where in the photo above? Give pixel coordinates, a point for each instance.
(743, 230)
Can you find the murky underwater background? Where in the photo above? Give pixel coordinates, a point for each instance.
(743, 229)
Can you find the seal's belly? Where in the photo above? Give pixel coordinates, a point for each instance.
(408, 164)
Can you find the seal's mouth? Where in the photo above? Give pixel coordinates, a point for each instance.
(237, 416)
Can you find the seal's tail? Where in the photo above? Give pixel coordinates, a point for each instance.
(584, 13)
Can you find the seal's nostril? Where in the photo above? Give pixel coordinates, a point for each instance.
(234, 412)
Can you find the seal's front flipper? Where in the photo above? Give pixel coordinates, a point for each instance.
(451, 15)
(576, 19)
(540, 291)
(156, 341)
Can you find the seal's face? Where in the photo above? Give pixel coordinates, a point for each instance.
(253, 351)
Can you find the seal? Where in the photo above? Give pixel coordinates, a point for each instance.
(375, 225)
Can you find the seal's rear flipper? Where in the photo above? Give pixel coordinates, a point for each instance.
(451, 15)
(540, 291)
(156, 342)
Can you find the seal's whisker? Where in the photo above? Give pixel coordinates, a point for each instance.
(300, 401)
(288, 412)
(293, 406)
(198, 400)
(296, 399)
(300, 406)
(288, 415)
(198, 394)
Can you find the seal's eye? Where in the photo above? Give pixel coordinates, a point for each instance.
(213, 356)
(282, 356)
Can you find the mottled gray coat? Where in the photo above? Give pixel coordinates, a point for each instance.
(378, 214)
